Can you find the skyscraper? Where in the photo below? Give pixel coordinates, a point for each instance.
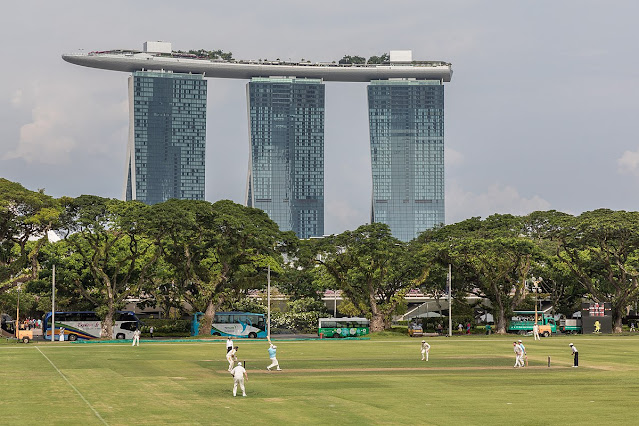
(286, 159)
(406, 119)
(167, 137)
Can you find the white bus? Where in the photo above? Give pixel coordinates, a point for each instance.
(87, 325)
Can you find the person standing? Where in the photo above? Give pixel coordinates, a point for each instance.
(239, 375)
(536, 331)
(229, 344)
(488, 329)
(425, 349)
(517, 350)
(136, 337)
(467, 328)
(62, 334)
(575, 355)
(231, 357)
(524, 355)
(460, 327)
(151, 330)
(271, 354)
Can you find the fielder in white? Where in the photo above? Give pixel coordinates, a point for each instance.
(524, 354)
(136, 337)
(271, 354)
(231, 357)
(536, 331)
(425, 350)
(239, 375)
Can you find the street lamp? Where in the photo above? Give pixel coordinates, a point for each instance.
(536, 282)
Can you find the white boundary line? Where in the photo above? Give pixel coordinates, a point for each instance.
(74, 388)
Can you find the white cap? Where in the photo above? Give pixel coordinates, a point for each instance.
(571, 345)
(519, 340)
(239, 363)
(423, 341)
(274, 347)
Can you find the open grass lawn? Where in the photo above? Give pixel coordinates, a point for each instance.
(468, 380)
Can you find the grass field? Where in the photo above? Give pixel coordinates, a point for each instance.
(468, 381)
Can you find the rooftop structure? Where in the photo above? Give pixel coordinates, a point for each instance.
(160, 56)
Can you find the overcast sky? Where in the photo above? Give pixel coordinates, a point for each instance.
(541, 113)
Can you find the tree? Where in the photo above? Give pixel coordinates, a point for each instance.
(347, 59)
(24, 215)
(601, 248)
(112, 246)
(383, 58)
(218, 250)
(371, 267)
(491, 258)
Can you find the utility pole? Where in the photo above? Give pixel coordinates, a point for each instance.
(52, 306)
(450, 304)
(268, 298)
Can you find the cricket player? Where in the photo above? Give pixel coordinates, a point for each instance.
(239, 375)
(271, 354)
(229, 344)
(518, 355)
(536, 332)
(425, 349)
(524, 354)
(231, 357)
(575, 355)
(136, 337)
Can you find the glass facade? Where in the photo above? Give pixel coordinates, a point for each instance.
(406, 119)
(167, 137)
(286, 163)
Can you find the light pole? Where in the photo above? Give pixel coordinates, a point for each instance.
(536, 282)
(18, 312)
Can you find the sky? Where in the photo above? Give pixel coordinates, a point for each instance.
(541, 112)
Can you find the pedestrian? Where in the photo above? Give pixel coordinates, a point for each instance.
(151, 330)
(425, 349)
(271, 354)
(440, 328)
(488, 329)
(632, 326)
(229, 344)
(460, 327)
(524, 354)
(536, 331)
(136, 337)
(239, 375)
(62, 334)
(575, 355)
(518, 360)
(468, 328)
(231, 357)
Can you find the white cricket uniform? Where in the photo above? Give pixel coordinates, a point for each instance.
(518, 356)
(536, 332)
(238, 378)
(425, 350)
(229, 345)
(136, 338)
(230, 357)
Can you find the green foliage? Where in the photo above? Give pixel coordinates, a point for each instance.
(381, 59)
(166, 327)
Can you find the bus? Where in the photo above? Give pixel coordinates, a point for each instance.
(343, 327)
(234, 324)
(87, 325)
(523, 323)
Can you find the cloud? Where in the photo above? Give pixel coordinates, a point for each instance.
(452, 158)
(461, 204)
(628, 164)
(67, 119)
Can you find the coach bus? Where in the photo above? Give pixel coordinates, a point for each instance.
(343, 327)
(234, 324)
(87, 325)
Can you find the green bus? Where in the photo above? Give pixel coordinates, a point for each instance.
(343, 327)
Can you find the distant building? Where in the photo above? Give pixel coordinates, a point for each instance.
(406, 119)
(286, 163)
(167, 137)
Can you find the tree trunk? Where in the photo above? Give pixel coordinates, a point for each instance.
(107, 323)
(207, 320)
(617, 315)
(377, 322)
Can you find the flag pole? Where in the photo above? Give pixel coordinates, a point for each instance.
(268, 298)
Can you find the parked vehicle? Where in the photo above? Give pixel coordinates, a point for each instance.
(415, 330)
(570, 325)
(523, 321)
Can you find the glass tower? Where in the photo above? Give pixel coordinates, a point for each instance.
(167, 137)
(406, 119)
(286, 161)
